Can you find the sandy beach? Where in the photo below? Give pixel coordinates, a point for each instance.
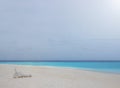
(56, 77)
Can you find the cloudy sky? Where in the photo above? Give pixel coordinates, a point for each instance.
(59, 30)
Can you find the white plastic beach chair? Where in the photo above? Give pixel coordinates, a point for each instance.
(20, 75)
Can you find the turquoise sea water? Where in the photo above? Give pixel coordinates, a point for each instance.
(96, 66)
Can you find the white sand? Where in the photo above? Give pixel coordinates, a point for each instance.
(55, 77)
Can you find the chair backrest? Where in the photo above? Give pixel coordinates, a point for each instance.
(15, 70)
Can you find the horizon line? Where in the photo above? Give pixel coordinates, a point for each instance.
(59, 60)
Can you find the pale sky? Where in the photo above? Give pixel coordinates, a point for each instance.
(60, 30)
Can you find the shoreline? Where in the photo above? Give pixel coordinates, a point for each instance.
(77, 68)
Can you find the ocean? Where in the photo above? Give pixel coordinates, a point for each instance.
(113, 67)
